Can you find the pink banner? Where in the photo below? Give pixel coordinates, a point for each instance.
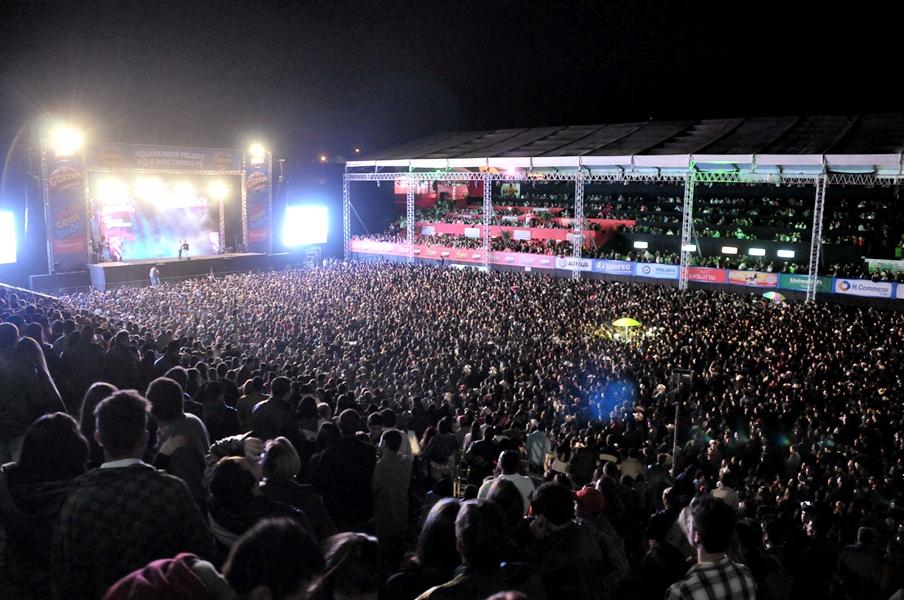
(470, 255)
(536, 233)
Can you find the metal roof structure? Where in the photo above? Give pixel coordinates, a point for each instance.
(856, 144)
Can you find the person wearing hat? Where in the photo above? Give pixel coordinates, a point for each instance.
(589, 504)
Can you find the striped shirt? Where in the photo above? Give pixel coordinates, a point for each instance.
(721, 580)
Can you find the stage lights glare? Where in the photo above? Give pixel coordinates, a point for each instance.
(148, 188)
(786, 253)
(305, 225)
(757, 252)
(357, 150)
(729, 250)
(7, 237)
(112, 191)
(218, 190)
(66, 140)
(641, 245)
(184, 191)
(323, 158)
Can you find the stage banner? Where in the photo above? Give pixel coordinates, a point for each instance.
(472, 232)
(163, 158)
(613, 267)
(877, 264)
(799, 282)
(864, 287)
(899, 293)
(66, 211)
(571, 263)
(259, 207)
(522, 259)
(428, 230)
(521, 234)
(753, 278)
(706, 275)
(656, 270)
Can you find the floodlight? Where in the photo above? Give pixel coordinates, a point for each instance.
(66, 140)
(757, 252)
(641, 245)
(689, 248)
(323, 158)
(304, 225)
(217, 189)
(729, 250)
(258, 153)
(7, 237)
(357, 150)
(148, 188)
(786, 253)
(184, 190)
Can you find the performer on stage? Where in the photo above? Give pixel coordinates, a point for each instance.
(184, 249)
(180, 249)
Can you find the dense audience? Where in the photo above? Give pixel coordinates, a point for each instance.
(379, 431)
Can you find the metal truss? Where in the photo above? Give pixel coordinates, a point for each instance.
(487, 215)
(687, 224)
(867, 179)
(346, 217)
(409, 218)
(577, 242)
(816, 238)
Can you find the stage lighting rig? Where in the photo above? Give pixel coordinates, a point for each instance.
(218, 190)
(257, 154)
(66, 140)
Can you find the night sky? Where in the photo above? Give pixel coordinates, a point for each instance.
(324, 77)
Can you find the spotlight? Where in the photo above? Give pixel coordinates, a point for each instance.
(112, 191)
(66, 141)
(357, 150)
(258, 153)
(323, 158)
(217, 189)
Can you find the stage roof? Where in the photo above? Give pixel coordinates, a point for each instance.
(841, 144)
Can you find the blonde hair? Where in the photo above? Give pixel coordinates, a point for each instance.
(281, 460)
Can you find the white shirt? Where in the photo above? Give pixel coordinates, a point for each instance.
(524, 484)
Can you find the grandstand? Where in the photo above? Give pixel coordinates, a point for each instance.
(804, 197)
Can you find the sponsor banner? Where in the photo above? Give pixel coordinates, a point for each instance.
(613, 267)
(428, 230)
(798, 282)
(878, 264)
(257, 202)
(899, 293)
(521, 234)
(864, 287)
(574, 264)
(472, 232)
(67, 213)
(656, 271)
(753, 278)
(170, 158)
(706, 275)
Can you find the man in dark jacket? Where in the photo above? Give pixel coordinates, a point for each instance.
(121, 365)
(275, 417)
(15, 414)
(124, 514)
(344, 477)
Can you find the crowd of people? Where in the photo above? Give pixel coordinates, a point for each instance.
(386, 431)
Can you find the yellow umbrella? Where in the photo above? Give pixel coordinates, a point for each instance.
(626, 322)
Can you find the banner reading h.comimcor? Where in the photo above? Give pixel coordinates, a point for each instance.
(67, 213)
(257, 188)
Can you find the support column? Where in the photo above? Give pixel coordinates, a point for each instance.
(487, 215)
(346, 217)
(409, 218)
(687, 225)
(816, 237)
(577, 238)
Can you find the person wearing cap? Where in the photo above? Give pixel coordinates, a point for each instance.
(509, 461)
(589, 504)
(343, 474)
(715, 577)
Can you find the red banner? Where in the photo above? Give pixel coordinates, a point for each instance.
(706, 275)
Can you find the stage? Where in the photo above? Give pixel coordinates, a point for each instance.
(137, 272)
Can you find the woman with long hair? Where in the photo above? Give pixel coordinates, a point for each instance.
(42, 391)
(352, 569)
(87, 425)
(32, 491)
